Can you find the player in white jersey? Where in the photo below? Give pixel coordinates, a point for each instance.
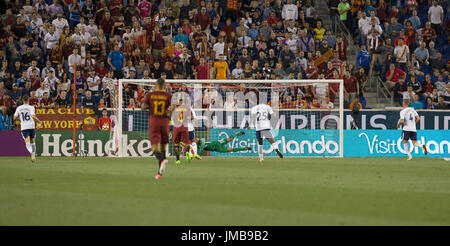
(261, 113)
(191, 150)
(27, 116)
(408, 120)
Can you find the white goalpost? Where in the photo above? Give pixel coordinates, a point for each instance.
(222, 108)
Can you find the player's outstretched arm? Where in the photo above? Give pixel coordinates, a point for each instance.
(417, 118)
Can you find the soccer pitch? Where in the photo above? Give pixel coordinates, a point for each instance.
(225, 191)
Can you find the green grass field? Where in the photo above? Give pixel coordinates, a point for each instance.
(225, 191)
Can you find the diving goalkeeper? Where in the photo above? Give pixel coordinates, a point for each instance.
(217, 146)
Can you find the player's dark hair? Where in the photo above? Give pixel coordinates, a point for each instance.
(160, 82)
(25, 98)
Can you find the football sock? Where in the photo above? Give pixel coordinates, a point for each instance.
(418, 144)
(407, 149)
(177, 152)
(260, 151)
(163, 156)
(274, 146)
(33, 147)
(158, 156)
(194, 148)
(29, 148)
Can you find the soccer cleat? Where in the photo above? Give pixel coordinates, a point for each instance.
(162, 166)
(178, 162)
(158, 176)
(279, 153)
(425, 151)
(409, 158)
(197, 157)
(33, 157)
(248, 148)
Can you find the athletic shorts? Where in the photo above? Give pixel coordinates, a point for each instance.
(180, 134)
(191, 135)
(407, 135)
(159, 133)
(264, 134)
(29, 133)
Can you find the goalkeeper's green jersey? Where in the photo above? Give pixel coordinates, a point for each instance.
(218, 146)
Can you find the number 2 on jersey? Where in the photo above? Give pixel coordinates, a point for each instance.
(159, 107)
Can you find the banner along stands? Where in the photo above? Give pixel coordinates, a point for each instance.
(61, 119)
(293, 143)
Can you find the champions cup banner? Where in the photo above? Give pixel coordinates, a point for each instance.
(61, 119)
(302, 119)
(357, 143)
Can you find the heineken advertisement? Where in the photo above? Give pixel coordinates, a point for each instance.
(90, 143)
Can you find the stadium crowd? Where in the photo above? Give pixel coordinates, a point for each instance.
(403, 41)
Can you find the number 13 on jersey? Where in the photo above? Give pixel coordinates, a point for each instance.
(159, 107)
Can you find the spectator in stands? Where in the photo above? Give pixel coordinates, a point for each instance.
(15, 93)
(436, 16)
(46, 101)
(363, 58)
(440, 84)
(393, 75)
(409, 94)
(351, 87)
(62, 100)
(374, 42)
(3, 90)
(393, 29)
(427, 87)
(88, 102)
(422, 55)
(315, 104)
(402, 55)
(441, 103)
(428, 34)
(416, 104)
(116, 61)
(344, 13)
(74, 60)
(446, 94)
(42, 90)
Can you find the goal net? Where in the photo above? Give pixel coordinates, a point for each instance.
(307, 120)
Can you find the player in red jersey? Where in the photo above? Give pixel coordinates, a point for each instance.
(180, 129)
(159, 104)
